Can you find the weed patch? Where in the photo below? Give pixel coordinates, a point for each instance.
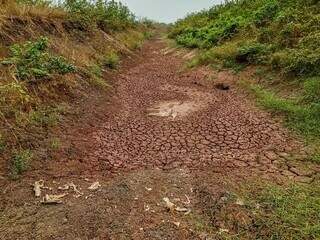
(303, 118)
(95, 76)
(111, 60)
(20, 162)
(290, 212)
(55, 144)
(31, 61)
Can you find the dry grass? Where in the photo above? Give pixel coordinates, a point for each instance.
(12, 9)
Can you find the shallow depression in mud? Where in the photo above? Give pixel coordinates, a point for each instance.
(173, 109)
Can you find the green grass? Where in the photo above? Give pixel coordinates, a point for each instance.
(20, 162)
(259, 210)
(55, 143)
(95, 76)
(304, 118)
(301, 114)
(111, 60)
(291, 212)
(106, 15)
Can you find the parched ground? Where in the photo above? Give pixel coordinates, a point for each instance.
(165, 132)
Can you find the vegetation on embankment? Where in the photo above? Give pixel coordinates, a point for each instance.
(260, 210)
(281, 38)
(51, 56)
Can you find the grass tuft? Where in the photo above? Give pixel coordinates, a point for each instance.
(20, 162)
(111, 60)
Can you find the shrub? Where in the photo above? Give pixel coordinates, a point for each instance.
(265, 13)
(253, 53)
(283, 33)
(111, 60)
(289, 35)
(31, 61)
(20, 162)
(107, 15)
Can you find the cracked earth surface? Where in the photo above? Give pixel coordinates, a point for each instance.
(166, 132)
(168, 118)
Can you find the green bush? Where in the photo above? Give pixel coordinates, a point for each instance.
(283, 33)
(111, 60)
(20, 162)
(107, 15)
(265, 13)
(253, 53)
(31, 61)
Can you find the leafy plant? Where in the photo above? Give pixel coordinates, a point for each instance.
(20, 162)
(111, 60)
(107, 15)
(253, 53)
(283, 34)
(31, 61)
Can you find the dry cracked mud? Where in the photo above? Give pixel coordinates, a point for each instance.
(168, 133)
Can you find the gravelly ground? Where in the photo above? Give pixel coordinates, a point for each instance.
(167, 133)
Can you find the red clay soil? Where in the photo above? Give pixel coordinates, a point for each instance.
(164, 133)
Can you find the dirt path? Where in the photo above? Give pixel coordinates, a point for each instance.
(169, 133)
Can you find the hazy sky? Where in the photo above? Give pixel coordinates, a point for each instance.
(167, 10)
